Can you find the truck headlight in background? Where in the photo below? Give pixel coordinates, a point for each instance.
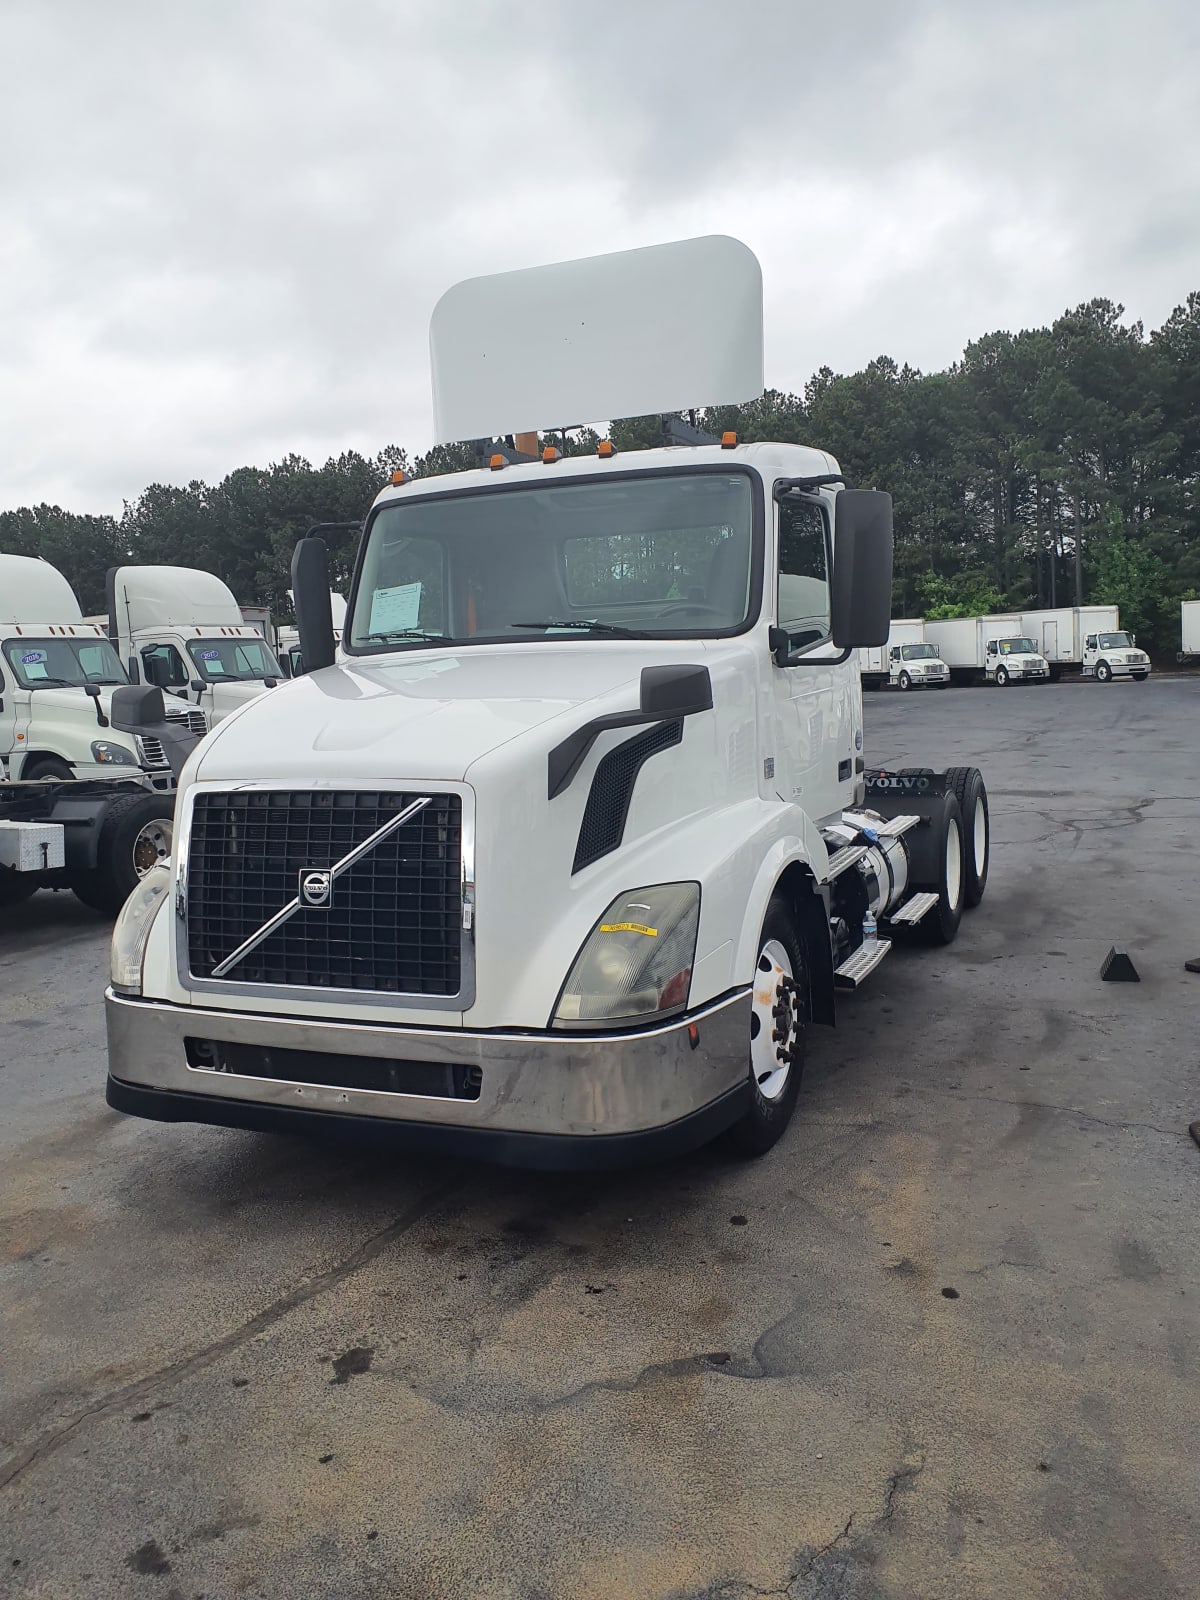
(637, 960)
(112, 754)
(132, 930)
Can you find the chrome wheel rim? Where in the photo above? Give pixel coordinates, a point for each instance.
(954, 872)
(981, 827)
(775, 1024)
(152, 847)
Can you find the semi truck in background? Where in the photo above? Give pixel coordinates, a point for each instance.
(875, 663)
(182, 631)
(98, 837)
(1189, 630)
(58, 673)
(288, 637)
(559, 854)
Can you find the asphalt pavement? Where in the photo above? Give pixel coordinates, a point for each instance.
(940, 1343)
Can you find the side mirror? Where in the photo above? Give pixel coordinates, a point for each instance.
(269, 683)
(314, 613)
(861, 593)
(670, 692)
(198, 684)
(92, 690)
(143, 710)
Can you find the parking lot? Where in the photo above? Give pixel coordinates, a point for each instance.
(942, 1342)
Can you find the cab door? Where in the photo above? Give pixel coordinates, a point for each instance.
(818, 705)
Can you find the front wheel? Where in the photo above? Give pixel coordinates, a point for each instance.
(905, 681)
(778, 1018)
(136, 834)
(1001, 678)
(1104, 672)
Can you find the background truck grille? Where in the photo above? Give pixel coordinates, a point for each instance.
(151, 751)
(196, 720)
(394, 920)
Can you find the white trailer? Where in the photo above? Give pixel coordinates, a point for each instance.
(1059, 633)
(182, 631)
(962, 641)
(58, 673)
(559, 854)
(1189, 629)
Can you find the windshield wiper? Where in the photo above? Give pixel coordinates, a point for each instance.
(411, 633)
(54, 683)
(577, 623)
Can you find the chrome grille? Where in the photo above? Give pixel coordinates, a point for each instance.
(393, 922)
(196, 721)
(150, 751)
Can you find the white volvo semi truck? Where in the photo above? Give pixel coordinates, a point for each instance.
(559, 855)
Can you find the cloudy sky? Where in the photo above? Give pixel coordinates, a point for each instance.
(224, 223)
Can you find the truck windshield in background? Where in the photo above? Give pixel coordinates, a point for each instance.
(917, 652)
(63, 663)
(1115, 641)
(1017, 647)
(233, 660)
(662, 555)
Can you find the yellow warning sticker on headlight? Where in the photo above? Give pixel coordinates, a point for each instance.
(628, 927)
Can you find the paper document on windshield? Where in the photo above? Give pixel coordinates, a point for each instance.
(395, 610)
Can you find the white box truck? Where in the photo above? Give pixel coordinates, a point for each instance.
(559, 855)
(1110, 653)
(182, 631)
(906, 661)
(57, 677)
(963, 642)
(1059, 633)
(913, 660)
(1189, 629)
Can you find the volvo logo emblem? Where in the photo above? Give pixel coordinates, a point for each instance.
(315, 887)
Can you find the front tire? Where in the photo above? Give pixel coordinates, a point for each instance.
(46, 767)
(778, 1021)
(1001, 678)
(1104, 672)
(136, 834)
(905, 681)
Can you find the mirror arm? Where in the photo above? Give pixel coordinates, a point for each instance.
(781, 650)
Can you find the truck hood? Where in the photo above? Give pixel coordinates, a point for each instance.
(427, 716)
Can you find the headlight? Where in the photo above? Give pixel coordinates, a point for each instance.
(132, 930)
(637, 960)
(113, 754)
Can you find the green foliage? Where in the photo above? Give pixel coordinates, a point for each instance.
(1052, 466)
(965, 595)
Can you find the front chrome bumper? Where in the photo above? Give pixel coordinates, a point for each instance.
(689, 1076)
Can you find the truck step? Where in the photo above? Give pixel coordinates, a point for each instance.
(845, 857)
(886, 827)
(914, 909)
(861, 964)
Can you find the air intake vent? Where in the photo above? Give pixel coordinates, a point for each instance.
(607, 806)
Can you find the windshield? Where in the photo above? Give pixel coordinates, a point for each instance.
(1016, 647)
(55, 663)
(917, 652)
(663, 555)
(233, 660)
(1115, 641)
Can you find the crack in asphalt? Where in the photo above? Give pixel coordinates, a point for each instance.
(1069, 1111)
(309, 1288)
